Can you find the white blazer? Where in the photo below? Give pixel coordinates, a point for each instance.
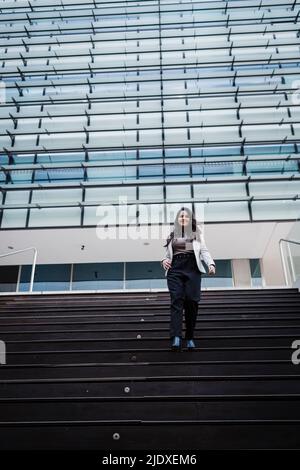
(200, 251)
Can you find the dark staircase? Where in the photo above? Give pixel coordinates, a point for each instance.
(95, 371)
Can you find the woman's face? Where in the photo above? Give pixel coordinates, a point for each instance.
(184, 218)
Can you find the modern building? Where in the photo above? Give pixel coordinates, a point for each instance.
(115, 114)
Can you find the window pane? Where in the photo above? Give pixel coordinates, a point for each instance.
(57, 195)
(151, 192)
(108, 194)
(226, 211)
(8, 278)
(219, 191)
(143, 275)
(58, 217)
(222, 278)
(272, 210)
(48, 277)
(256, 278)
(14, 218)
(178, 191)
(97, 276)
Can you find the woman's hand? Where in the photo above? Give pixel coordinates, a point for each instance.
(166, 263)
(211, 269)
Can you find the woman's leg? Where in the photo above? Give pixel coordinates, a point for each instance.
(192, 298)
(190, 314)
(175, 283)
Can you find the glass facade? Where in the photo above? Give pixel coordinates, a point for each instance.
(160, 101)
(47, 277)
(110, 276)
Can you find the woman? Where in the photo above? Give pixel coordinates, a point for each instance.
(183, 266)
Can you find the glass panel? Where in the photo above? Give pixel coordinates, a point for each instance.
(91, 216)
(109, 194)
(143, 275)
(180, 152)
(151, 192)
(59, 174)
(111, 173)
(279, 166)
(178, 191)
(222, 277)
(256, 278)
(224, 211)
(96, 276)
(57, 217)
(293, 255)
(215, 151)
(22, 159)
(112, 155)
(3, 160)
(21, 176)
(269, 149)
(151, 213)
(8, 278)
(57, 195)
(217, 169)
(102, 215)
(151, 153)
(150, 171)
(276, 188)
(14, 218)
(272, 210)
(48, 277)
(219, 191)
(180, 171)
(60, 157)
(16, 197)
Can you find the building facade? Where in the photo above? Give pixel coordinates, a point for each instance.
(115, 114)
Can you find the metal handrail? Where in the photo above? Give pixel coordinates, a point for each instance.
(33, 264)
(283, 261)
(289, 241)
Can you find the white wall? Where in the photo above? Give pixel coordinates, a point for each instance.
(237, 241)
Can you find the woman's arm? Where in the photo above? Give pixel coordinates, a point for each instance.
(206, 255)
(167, 256)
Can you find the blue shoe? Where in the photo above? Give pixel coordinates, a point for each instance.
(190, 344)
(176, 343)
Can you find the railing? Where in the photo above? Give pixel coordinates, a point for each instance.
(33, 264)
(291, 270)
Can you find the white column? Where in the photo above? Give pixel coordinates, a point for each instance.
(241, 273)
(273, 269)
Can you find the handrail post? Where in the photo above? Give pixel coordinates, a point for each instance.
(33, 270)
(283, 263)
(292, 264)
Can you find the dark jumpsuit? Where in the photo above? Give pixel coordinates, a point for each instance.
(184, 284)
